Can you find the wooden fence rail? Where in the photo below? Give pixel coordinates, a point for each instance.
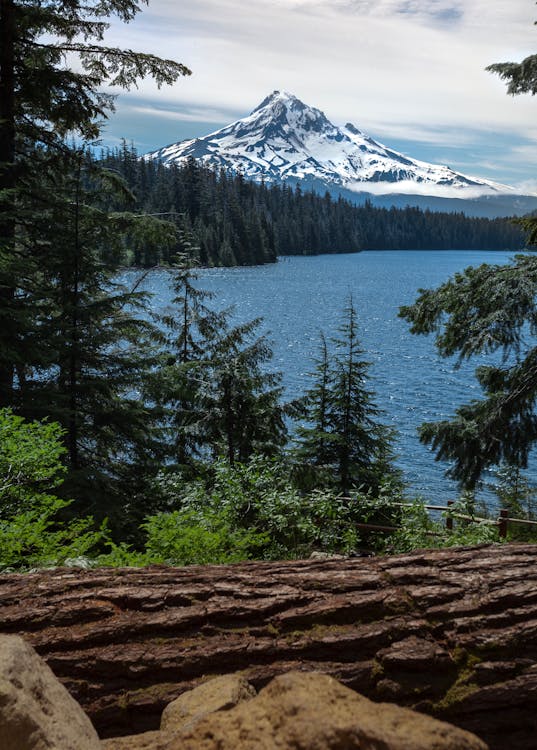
(501, 522)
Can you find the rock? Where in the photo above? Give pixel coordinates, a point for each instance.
(413, 629)
(144, 741)
(36, 711)
(220, 693)
(318, 555)
(300, 711)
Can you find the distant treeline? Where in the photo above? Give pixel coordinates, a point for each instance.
(231, 221)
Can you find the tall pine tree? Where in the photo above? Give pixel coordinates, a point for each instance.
(69, 345)
(342, 439)
(177, 384)
(241, 399)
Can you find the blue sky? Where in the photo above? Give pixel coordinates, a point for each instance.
(410, 73)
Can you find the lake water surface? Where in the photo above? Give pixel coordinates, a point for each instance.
(300, 296)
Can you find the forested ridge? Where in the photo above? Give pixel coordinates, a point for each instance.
(232, 221)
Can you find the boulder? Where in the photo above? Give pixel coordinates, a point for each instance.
(302, 711)
(36, 711)
(218, 694)
(299, 711)
(144, 741)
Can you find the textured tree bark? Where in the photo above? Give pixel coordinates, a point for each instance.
(452, 633)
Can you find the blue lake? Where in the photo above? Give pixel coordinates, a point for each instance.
(300, 296)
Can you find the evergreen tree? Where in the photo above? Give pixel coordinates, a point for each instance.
(178, 382)
(241, 400)
(313, 446)
(41, 102)
(70, 345)
(88, 374)
(522, 79)
(343, 434)
(481, 311)
(214, 391)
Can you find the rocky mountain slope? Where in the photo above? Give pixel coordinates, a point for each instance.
(451, 633)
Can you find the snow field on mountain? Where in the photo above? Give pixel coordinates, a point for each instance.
(285, 140)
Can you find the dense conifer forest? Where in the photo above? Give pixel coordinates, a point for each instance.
(235, 222)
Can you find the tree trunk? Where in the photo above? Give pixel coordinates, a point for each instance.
(452, 633)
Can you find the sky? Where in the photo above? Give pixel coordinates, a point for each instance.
(409, 73)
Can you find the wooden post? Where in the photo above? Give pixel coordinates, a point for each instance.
(449, 519)
(502, 523)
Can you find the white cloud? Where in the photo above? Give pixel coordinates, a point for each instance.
(188, 115)
(409, 187)
(409, 69)
(527, 187)
(410, 131)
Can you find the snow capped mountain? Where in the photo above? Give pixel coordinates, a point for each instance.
(284, 140)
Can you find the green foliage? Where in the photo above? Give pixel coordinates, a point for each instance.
(32, 532)
(38, 538)
(418, 530)
(482, 311)
(120, 555)
(259, 497)
(342, 441)
(198, 537)
(30, 461)
(240, 511)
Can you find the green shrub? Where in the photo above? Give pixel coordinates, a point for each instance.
(30, 461)
(259, 497)
(187, 537)
(31, 533)
(418, 530)
(36, 538)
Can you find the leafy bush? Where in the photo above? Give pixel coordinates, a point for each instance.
(259, 497)
(31, 534)
(418, 530)
(30, 461)
(120, 556)
(239, 512)
(36, 538)
(187, 537)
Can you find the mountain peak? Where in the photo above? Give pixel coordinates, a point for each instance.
(287, 111)
(285, 140)
(278, 96)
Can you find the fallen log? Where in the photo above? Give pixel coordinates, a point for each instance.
(451, 633)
